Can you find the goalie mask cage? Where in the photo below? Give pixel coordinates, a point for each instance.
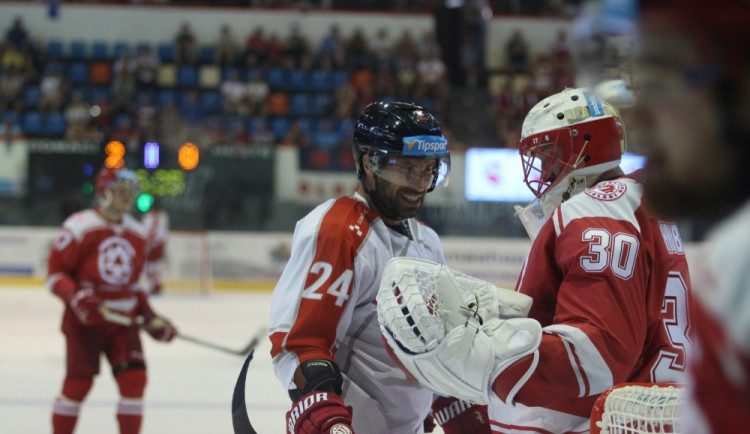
(637, 408)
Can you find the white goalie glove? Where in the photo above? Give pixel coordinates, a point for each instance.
(454, 333)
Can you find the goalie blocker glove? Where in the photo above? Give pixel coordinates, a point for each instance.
(320, 413)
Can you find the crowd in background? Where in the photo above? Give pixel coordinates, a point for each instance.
(251, 86)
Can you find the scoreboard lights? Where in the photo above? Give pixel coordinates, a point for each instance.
(188, 156)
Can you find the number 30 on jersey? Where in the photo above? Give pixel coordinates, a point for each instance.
(339, 288)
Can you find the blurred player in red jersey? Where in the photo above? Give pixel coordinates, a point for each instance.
(156, 221)
(694, 100)
(95, 264)
(326, 344)
(609, 281)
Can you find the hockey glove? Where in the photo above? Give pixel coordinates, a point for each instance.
(457, 417)
(85, 305)
(160, 329)
(319, 413)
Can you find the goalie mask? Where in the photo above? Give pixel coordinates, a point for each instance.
(390, 134)
(452, 332)
(568, 140)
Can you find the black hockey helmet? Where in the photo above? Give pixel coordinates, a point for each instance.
(389, 130)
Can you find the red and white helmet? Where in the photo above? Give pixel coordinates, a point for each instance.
(567, 141)
(110, 177)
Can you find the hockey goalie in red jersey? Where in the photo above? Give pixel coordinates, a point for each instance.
(609, 280)
(94, 265)
(609, 284)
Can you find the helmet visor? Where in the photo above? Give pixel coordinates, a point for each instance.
(410, 171)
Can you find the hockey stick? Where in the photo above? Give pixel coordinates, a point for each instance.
(240, 419)
(126, 321)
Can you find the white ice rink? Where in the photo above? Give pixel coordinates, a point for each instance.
(190, 387)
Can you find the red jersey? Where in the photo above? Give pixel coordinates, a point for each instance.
(91, 252)
(610, 287)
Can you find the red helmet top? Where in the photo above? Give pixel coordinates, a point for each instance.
(109, 178)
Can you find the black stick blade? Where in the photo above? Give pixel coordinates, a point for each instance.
(240, 419)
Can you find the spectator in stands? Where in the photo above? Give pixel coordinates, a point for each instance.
(256, 48)
(560, 51)
(234, 94)
(262, 135)
(381, 48)
(146, 117)
(237, 135)
(517, 53)
(543, 75)
(77, 116)
(147, 66)
(171, 125)
(326, 137)
(226, 47)
(186, 45)
(431, 74)
(296, 136)
(297, 45)
(405, 46)
(17, 36)
(123, 81)
(357, 50)
(332, 47)
(257, 91)
(191, 109)
(53, 87)
(274, 50)
(12, 82)
(345, 98)
(12, 58)
(10, 131)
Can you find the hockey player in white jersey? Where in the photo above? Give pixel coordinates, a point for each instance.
(326, 344)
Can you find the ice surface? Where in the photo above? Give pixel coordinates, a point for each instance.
(189, 389)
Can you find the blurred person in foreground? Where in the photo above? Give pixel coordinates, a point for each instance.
(694, 102)
(326, 344)
(94, 267)
(601, 270)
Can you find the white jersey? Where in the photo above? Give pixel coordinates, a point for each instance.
(323, 307)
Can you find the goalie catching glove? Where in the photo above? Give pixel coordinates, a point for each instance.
(454, 333)
(320, 412)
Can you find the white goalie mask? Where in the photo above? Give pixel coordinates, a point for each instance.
(452, 332)
(568, 140)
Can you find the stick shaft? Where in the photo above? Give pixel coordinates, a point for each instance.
(126, 321)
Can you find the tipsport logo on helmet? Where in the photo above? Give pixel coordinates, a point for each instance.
(596, 106)
(425, 145)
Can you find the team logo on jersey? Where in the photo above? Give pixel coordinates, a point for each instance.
(607, 190)
(115, 261)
